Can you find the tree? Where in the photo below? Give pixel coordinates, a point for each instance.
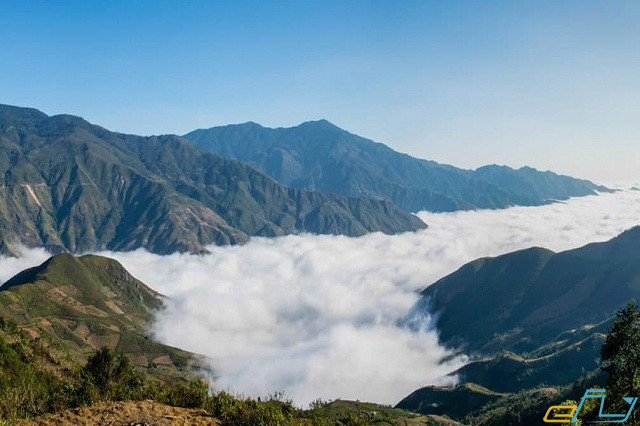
(621, 359)
(113, 375)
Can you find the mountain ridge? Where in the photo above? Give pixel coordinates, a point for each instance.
(540, 293)
(76, 305)
(320, 155)
(534, 322)
(73, 186)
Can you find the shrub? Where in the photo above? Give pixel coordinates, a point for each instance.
(25, 389)
(193, 395)
(112, 376)
(28, 390)
(236, 411)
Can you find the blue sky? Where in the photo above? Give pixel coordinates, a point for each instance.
(551, 84)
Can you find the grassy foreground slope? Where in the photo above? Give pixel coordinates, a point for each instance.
(126, 413)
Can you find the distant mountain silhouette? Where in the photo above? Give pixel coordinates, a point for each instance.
(319, 155)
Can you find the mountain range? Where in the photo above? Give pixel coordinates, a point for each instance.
(533, 320)
(522, 300)
(70, 185)
(73, 186)
(318, 155)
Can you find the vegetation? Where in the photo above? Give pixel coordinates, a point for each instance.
(25, 389)
(620, 370)
(621, 356)
(69, 185)
(28, 389)
(75, 305)
(455, 402)
(548, 321)
(356, 413)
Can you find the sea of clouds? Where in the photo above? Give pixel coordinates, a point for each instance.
(318, 316)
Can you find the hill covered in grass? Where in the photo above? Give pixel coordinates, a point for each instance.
(76, 305)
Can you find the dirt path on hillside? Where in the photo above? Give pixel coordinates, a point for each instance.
(124, 414)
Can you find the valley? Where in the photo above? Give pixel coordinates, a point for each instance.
(319, 213)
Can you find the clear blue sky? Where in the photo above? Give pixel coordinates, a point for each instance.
(551, 84)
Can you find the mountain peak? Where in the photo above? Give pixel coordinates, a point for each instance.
(160, 192)
(530, 286)
(80, 304)
(249, 124)
(87, 274)
(319, 124)
(320, 156)
(311, 124)
(63, 261)
(70, 119)
(12, 114)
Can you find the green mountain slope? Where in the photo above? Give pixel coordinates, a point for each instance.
(455, 402)
(471, 404)
(78, 305)
(526, 299)
(71, 185)
(551, 311)
(563, 363)
(318, 155)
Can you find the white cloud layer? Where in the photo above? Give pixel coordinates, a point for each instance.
(9, 266)
(316, 316)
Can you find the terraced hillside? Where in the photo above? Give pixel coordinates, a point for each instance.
(76, 305)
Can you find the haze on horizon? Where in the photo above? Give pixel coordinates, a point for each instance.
(553, 85)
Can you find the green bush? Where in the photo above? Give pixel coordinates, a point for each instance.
(193, 395)
(237, 411)
(110, 376)
(25, 389)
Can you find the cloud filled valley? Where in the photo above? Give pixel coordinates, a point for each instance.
(317, 316)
